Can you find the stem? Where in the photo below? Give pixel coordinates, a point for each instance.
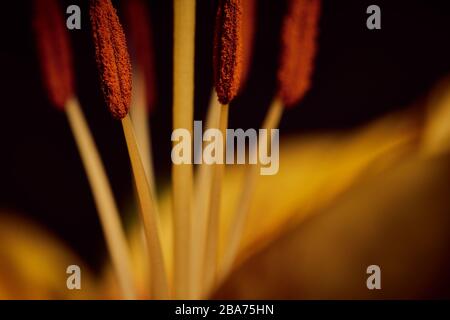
(211, 255)
(149, 213)
(103, 197)
(183, 110)
(141, 124)
(202, 192)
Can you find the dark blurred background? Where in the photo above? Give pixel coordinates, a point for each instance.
(360, 74)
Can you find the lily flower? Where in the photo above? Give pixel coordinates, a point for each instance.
(341, 202)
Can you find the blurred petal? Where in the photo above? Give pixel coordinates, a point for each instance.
(436, 136)
(399, 220)
(33, 264)
(314, 170)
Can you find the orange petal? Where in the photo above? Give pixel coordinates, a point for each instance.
(398, 220)
(33, 264)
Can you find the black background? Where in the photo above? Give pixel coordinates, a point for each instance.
(360, 74)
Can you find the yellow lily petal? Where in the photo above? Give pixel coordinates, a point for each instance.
(33, 264)
(315, 170)
(398, 220)
(436, 137)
